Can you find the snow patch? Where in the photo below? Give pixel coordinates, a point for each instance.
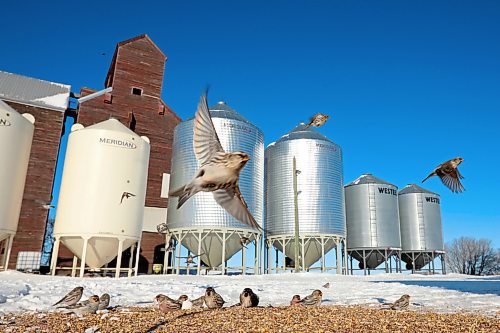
(58, 100)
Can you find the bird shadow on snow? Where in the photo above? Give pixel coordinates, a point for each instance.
(484, 286)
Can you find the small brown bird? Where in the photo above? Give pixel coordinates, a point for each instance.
(219, 172)
(244, 242)
(70, 298)
(126, 195)
(317, 120)
(402, 303)
(89, 306)
(248, 299)
(104, 302)
(212, 299)
(160, 298)
(295, 301)
(314, 299)
(198, 302)
(166, 304)
(162, 228)
(449, 174)
(190, 258)
(326, 285)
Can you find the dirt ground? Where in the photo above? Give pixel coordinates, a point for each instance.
(279, 319)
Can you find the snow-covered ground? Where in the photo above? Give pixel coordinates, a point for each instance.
(450, 293)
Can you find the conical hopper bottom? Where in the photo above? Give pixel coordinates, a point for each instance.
(312, 250)
(372, 260)
(211, 246)
(420, 260)
(100, 251)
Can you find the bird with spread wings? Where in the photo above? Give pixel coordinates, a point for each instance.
(219, 171)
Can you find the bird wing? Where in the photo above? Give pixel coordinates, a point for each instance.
(206, 142)
(309, 300)
(198, 302)
(452, 181)
(232, 201)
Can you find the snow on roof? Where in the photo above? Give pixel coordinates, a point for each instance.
(31, 91)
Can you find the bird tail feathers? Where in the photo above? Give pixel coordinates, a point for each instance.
(183, 193)
(429, 176)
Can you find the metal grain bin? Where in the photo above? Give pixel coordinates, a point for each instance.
(420, 219)
(372, 219)
(201, 213)
(320, 187)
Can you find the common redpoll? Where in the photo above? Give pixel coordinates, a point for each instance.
(166, 304)
(295, 301)
(126, 195)
(248, 298)
(314, 299)
(402, 303)
(212, 299)
(89, 306)
(449, 174)
(317, 120)
(160, 298)
(103, 302)
(186, 304)
(219, 172)
(71, 298)
(190, 258)
(244, 242)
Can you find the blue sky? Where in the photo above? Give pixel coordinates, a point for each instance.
(408, 85)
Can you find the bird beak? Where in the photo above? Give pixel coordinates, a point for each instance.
(246, 158)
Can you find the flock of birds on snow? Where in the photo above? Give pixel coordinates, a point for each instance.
(211, 300)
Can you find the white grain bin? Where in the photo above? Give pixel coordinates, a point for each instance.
(16, 135)
(103, 163)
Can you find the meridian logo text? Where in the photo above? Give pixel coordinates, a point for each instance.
(4, 122)
(118, 143)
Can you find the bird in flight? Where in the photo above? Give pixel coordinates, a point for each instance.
(449, 174)
(318, 120)
(190, 258)
(244, 241)
(126, 195)
(219, 172)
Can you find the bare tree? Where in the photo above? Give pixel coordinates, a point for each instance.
(471, 256)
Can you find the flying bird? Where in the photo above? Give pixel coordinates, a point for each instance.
(295, 301)
(70, 298)
(449, 174)
(317, 120)
(244, 242)
(162, 228)
(126, 195)
(212, 299)
(314, 299)
(190, 258)
(402, 303)
(219, 172)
